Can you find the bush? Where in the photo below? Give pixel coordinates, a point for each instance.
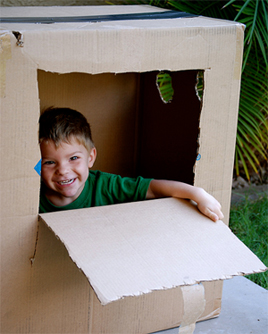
(249, 222)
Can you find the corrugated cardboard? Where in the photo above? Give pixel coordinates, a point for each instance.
(132, 249)
(107, 71)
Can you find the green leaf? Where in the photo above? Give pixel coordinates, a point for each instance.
(164, 85)
(241, 158)
(242, 9)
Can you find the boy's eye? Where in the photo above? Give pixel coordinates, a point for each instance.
(74, 158)
(48, 163)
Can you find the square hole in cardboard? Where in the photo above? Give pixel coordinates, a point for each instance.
(134, 131)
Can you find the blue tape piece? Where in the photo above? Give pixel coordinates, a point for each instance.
(37, 167)
(198, 157)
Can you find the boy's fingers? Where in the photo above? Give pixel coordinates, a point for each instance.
(207, 212)
(221, 216)
(219, 213)
(211, 209)
(213, 216)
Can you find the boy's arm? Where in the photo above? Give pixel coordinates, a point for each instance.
(206, 203)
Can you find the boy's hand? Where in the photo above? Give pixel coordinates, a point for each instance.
(208, 205)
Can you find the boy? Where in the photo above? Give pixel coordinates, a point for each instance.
(68, 154)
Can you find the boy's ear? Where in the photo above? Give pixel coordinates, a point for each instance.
(92, 157)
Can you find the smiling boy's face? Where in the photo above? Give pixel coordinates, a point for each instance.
(65, 170)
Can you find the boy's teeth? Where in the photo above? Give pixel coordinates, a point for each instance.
(66, 181)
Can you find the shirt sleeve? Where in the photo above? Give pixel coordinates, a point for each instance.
(127, 189)
(113, 189)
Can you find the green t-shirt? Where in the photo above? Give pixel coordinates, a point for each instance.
(102, 189)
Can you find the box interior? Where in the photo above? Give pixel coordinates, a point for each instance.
(134, 131)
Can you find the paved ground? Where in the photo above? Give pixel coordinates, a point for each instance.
(251, 192)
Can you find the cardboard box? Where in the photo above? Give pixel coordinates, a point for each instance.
(107, 70)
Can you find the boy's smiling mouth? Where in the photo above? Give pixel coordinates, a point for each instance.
(66, 182)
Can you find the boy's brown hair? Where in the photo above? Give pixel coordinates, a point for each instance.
(63, 124)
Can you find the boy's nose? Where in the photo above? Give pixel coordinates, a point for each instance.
(62, 169)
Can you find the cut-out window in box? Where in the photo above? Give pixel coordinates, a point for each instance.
(135, 133)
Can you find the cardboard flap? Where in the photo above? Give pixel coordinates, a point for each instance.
(134, 248)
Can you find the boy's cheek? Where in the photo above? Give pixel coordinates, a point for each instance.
(44, 173)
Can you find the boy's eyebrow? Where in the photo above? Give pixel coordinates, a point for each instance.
(75, 152)
(69, 154)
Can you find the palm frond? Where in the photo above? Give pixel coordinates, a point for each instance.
(164, 85)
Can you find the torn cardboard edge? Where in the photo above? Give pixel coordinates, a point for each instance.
(136, 248)
(167, 14)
